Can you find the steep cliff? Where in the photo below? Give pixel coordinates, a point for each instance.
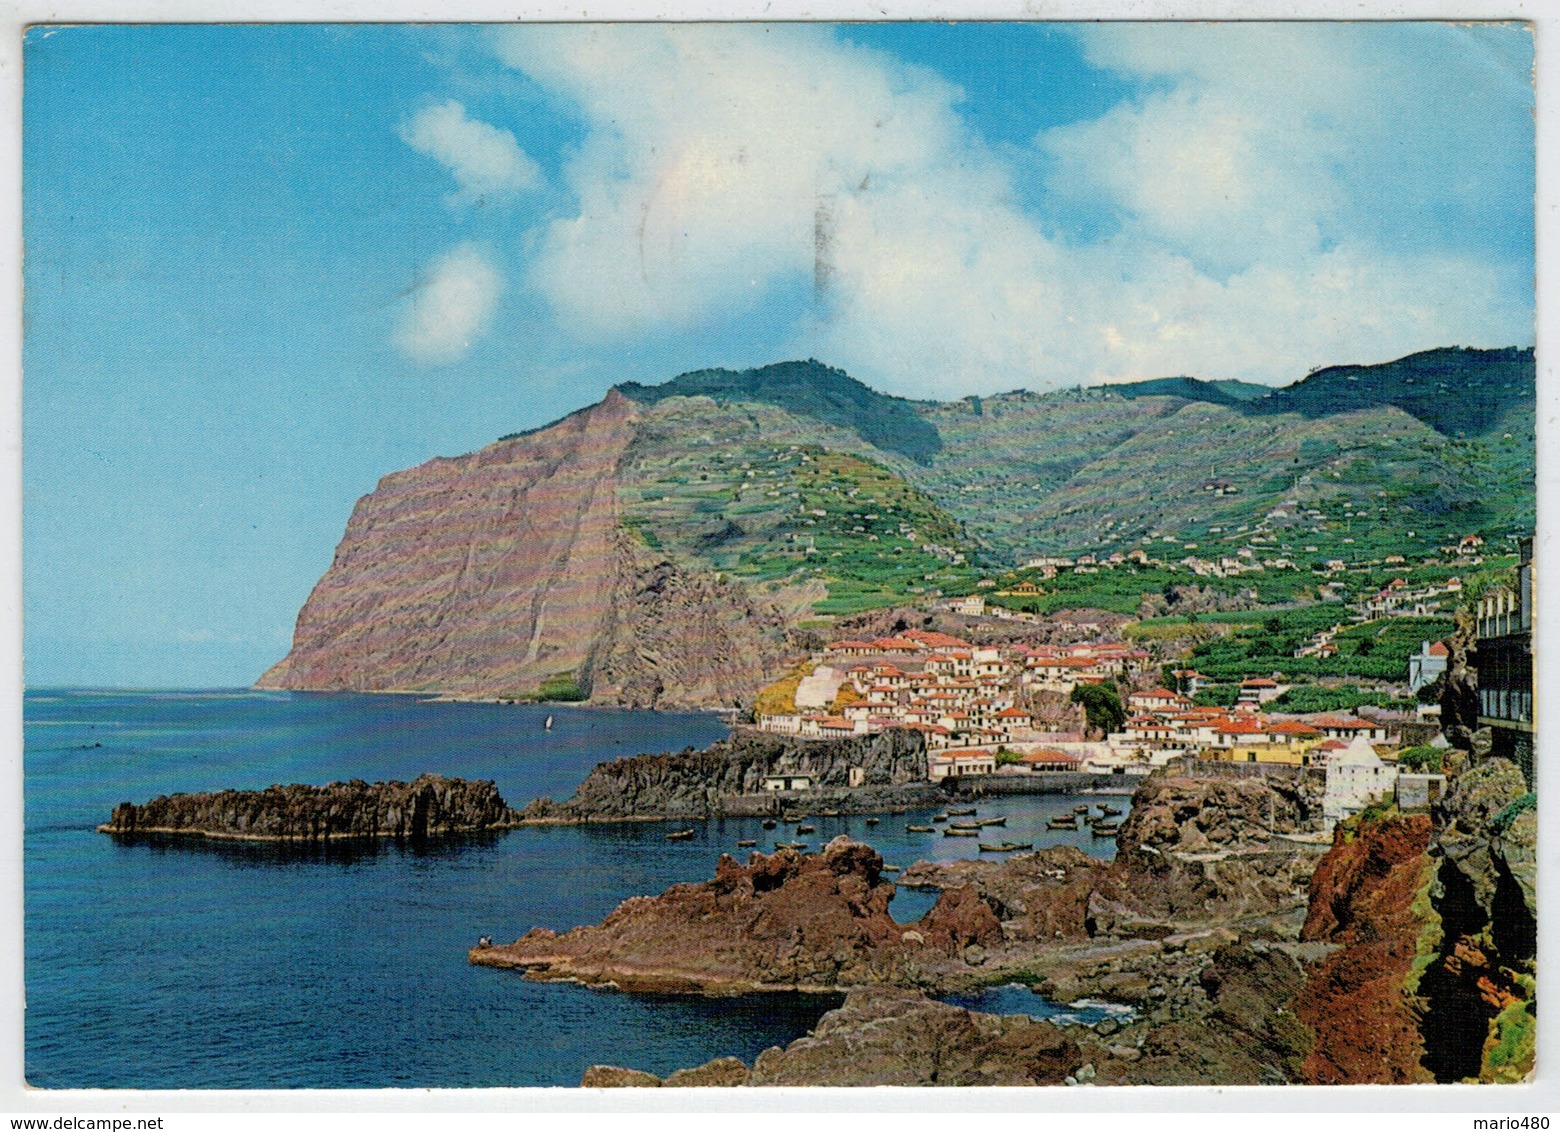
(1434, 976)
(432, 806)
(495, 572)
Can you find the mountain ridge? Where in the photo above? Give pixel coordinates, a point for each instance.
(669, 545)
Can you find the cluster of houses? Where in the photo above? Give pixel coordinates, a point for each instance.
(959, 695)
(1398, 599)
(965, 699)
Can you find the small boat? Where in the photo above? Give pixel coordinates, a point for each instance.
(1108, 811)
(872, 821)
(792, 819)
(1105, 828)
(992, 821)
(790, 844)
(1081, 808)
(939, 817)
(919, 829)
(961, 813)
(975, 825)
(890, 868)
(828, 813)
(769, 823)
(680, 835)
(806, 829)
(748, 843)
(899, 811)
(951, 832)
(1005, 846)
(1068, 821)
(548, 725)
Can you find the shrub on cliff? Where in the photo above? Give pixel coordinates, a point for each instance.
(1101, 706)
(1423, 759)
(780, 697)
(563, 688)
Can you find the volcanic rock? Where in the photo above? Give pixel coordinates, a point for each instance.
(431, 806)
(787, 921)
(728, 777)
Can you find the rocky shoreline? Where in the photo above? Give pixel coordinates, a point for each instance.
(432, 806)
(1400, 951)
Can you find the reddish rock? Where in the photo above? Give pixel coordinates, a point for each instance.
(1367, 1027)
(488, 573)
(784, 921)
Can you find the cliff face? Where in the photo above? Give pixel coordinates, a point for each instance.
(1365, 897)
(490, 573)
(1434, 978)
(429, 807)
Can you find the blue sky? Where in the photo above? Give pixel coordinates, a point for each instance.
(266, 265)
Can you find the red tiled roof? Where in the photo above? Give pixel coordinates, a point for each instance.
(1049, 757)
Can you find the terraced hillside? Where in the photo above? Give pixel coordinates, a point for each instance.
(608, 552)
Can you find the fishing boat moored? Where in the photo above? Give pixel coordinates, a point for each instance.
(1005, 846)
(680, 835)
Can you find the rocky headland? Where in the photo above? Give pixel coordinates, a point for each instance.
(862, 774)
(785, 921)
(431, 806)
(508, 571)
(821, 921)
(1434, 923)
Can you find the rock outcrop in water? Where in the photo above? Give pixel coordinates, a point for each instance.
(431, 806)
(728, 778)
(787, 921)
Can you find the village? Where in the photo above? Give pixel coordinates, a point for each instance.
(971, 704)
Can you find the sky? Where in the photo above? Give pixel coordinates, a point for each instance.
(266, 265)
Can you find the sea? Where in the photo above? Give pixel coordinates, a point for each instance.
(184, 964)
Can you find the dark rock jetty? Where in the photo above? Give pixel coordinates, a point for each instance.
(431, 806)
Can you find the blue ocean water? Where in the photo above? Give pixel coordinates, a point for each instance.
(199, 965)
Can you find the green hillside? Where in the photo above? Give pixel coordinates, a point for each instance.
(808, 389)
(1457, 391)
(1353, 463)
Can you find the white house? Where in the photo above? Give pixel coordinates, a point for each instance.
(1356, 777)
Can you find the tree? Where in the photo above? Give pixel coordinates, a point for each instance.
(1102, 710)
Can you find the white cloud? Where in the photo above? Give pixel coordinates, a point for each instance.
(486, 161)
(722, 160)
(449, 309)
